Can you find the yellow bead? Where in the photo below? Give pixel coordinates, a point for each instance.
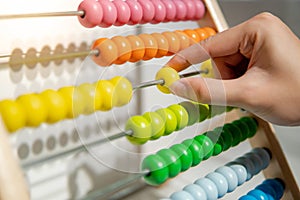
(122, 93)
(57, 108)
(35, 108)
(105, 91)
(13, 115)
(75, 101)
(141, 130)
(207, 65)
(169, 75)
(89, 92)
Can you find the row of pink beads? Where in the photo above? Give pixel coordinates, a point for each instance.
(105, 13)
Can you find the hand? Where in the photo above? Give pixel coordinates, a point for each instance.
(258, 65)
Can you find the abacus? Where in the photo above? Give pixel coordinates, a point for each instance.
(85, 122)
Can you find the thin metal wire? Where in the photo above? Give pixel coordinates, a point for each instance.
(80, 148)
(46, 14)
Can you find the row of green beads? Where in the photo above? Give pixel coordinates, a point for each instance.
(168, 163)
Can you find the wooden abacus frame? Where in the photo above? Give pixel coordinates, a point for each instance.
(14, 187)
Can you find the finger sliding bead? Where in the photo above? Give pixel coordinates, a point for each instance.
(120, 49)
(106, 13)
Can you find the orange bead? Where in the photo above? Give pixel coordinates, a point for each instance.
(202, 33)
(108, 52)
(137, 48)
(151, 46)
(163, 45)
(210, 31)
(124, 49)
(193, 35)
(184, 40)
(174, 42)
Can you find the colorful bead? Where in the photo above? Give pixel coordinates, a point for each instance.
(196, 150)
(93, 13)
(137, 47)
(247, 163)
(192, 110)
(169, 75)
(210, 31)
(230, 176)
(158, 170)
(207, 66)
(171, 10)
(122, 92)
(136, 12)
(236, 133)
(243, 127)
(252, 125)
(157, 124)
(181, 10)
(148, 10)
(108, 52)
(209, 187)
(123, 11)
(207, 146)
(182, 195)
(268, 189)
(124, 49)
(185, 156)
(240, 172)
(163, 45)
(226, 136)
(200, 9)
(89, 92)
(183, 39)
(110, 13)
(13, 115)
(75, 101)
(141, 130)
(104, 92)
(160, 11)
(204, 111)
(57, 108)
(256, 160)
(220, 182)
(258, 194)
(174, 42)
(35, 109)
(278, 186)
(247, 197)
(181, 115)
(202, 33)
(169, 119)
(193, 35)
(191, 9)
(264, 155)
(196, 191)
(172, 160)
(151, 46)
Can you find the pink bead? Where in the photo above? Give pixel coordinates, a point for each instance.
(123, 11)
(109, 13)
(191, 9)
(93, 13)
(148, 10)
(160, 11)
(200, 9)
(171, 10)
(181, 10)
(136, 12)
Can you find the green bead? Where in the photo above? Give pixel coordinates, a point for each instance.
(204, 112)
(207, 145)
(169, 118)
(252, 125)
(172, 160)
(217, 149)
(192, 110)
(218, 141)
(181, 115)
(229, 108)
(235, 132)
(185, 156)
(158, 170)
(216, 110)
(196, 150)
(243, 127)
(157, 124)
(141, 130)
(226, 136)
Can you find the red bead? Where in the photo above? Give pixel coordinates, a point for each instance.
(123, 12)
(181, 10)
(191, 9)
(160, 11)
(93, 13)
(200, 9)
(136, 12)
(109, 13)
(171, 10)
(148, 10)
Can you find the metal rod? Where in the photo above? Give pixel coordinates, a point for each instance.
(80, 148)
(46, 14)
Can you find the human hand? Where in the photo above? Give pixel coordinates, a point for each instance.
(258, 64)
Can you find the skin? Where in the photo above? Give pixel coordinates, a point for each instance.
(258, 69)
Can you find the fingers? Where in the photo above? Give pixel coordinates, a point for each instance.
(211, 91)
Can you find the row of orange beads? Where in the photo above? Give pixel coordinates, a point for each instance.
(30, 110)
(132, 48)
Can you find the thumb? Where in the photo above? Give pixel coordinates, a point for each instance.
(211, 91)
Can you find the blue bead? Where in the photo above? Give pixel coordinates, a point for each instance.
(247, 197)
(270, 197)
(209, 187)
(264, 155)
(247, 163)
(278, 186)
(181, 195)
(230, 176)
(256, 160)
(241, 173)
(267, 189)
(258, 194)
(220, 181)
(196, 191)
